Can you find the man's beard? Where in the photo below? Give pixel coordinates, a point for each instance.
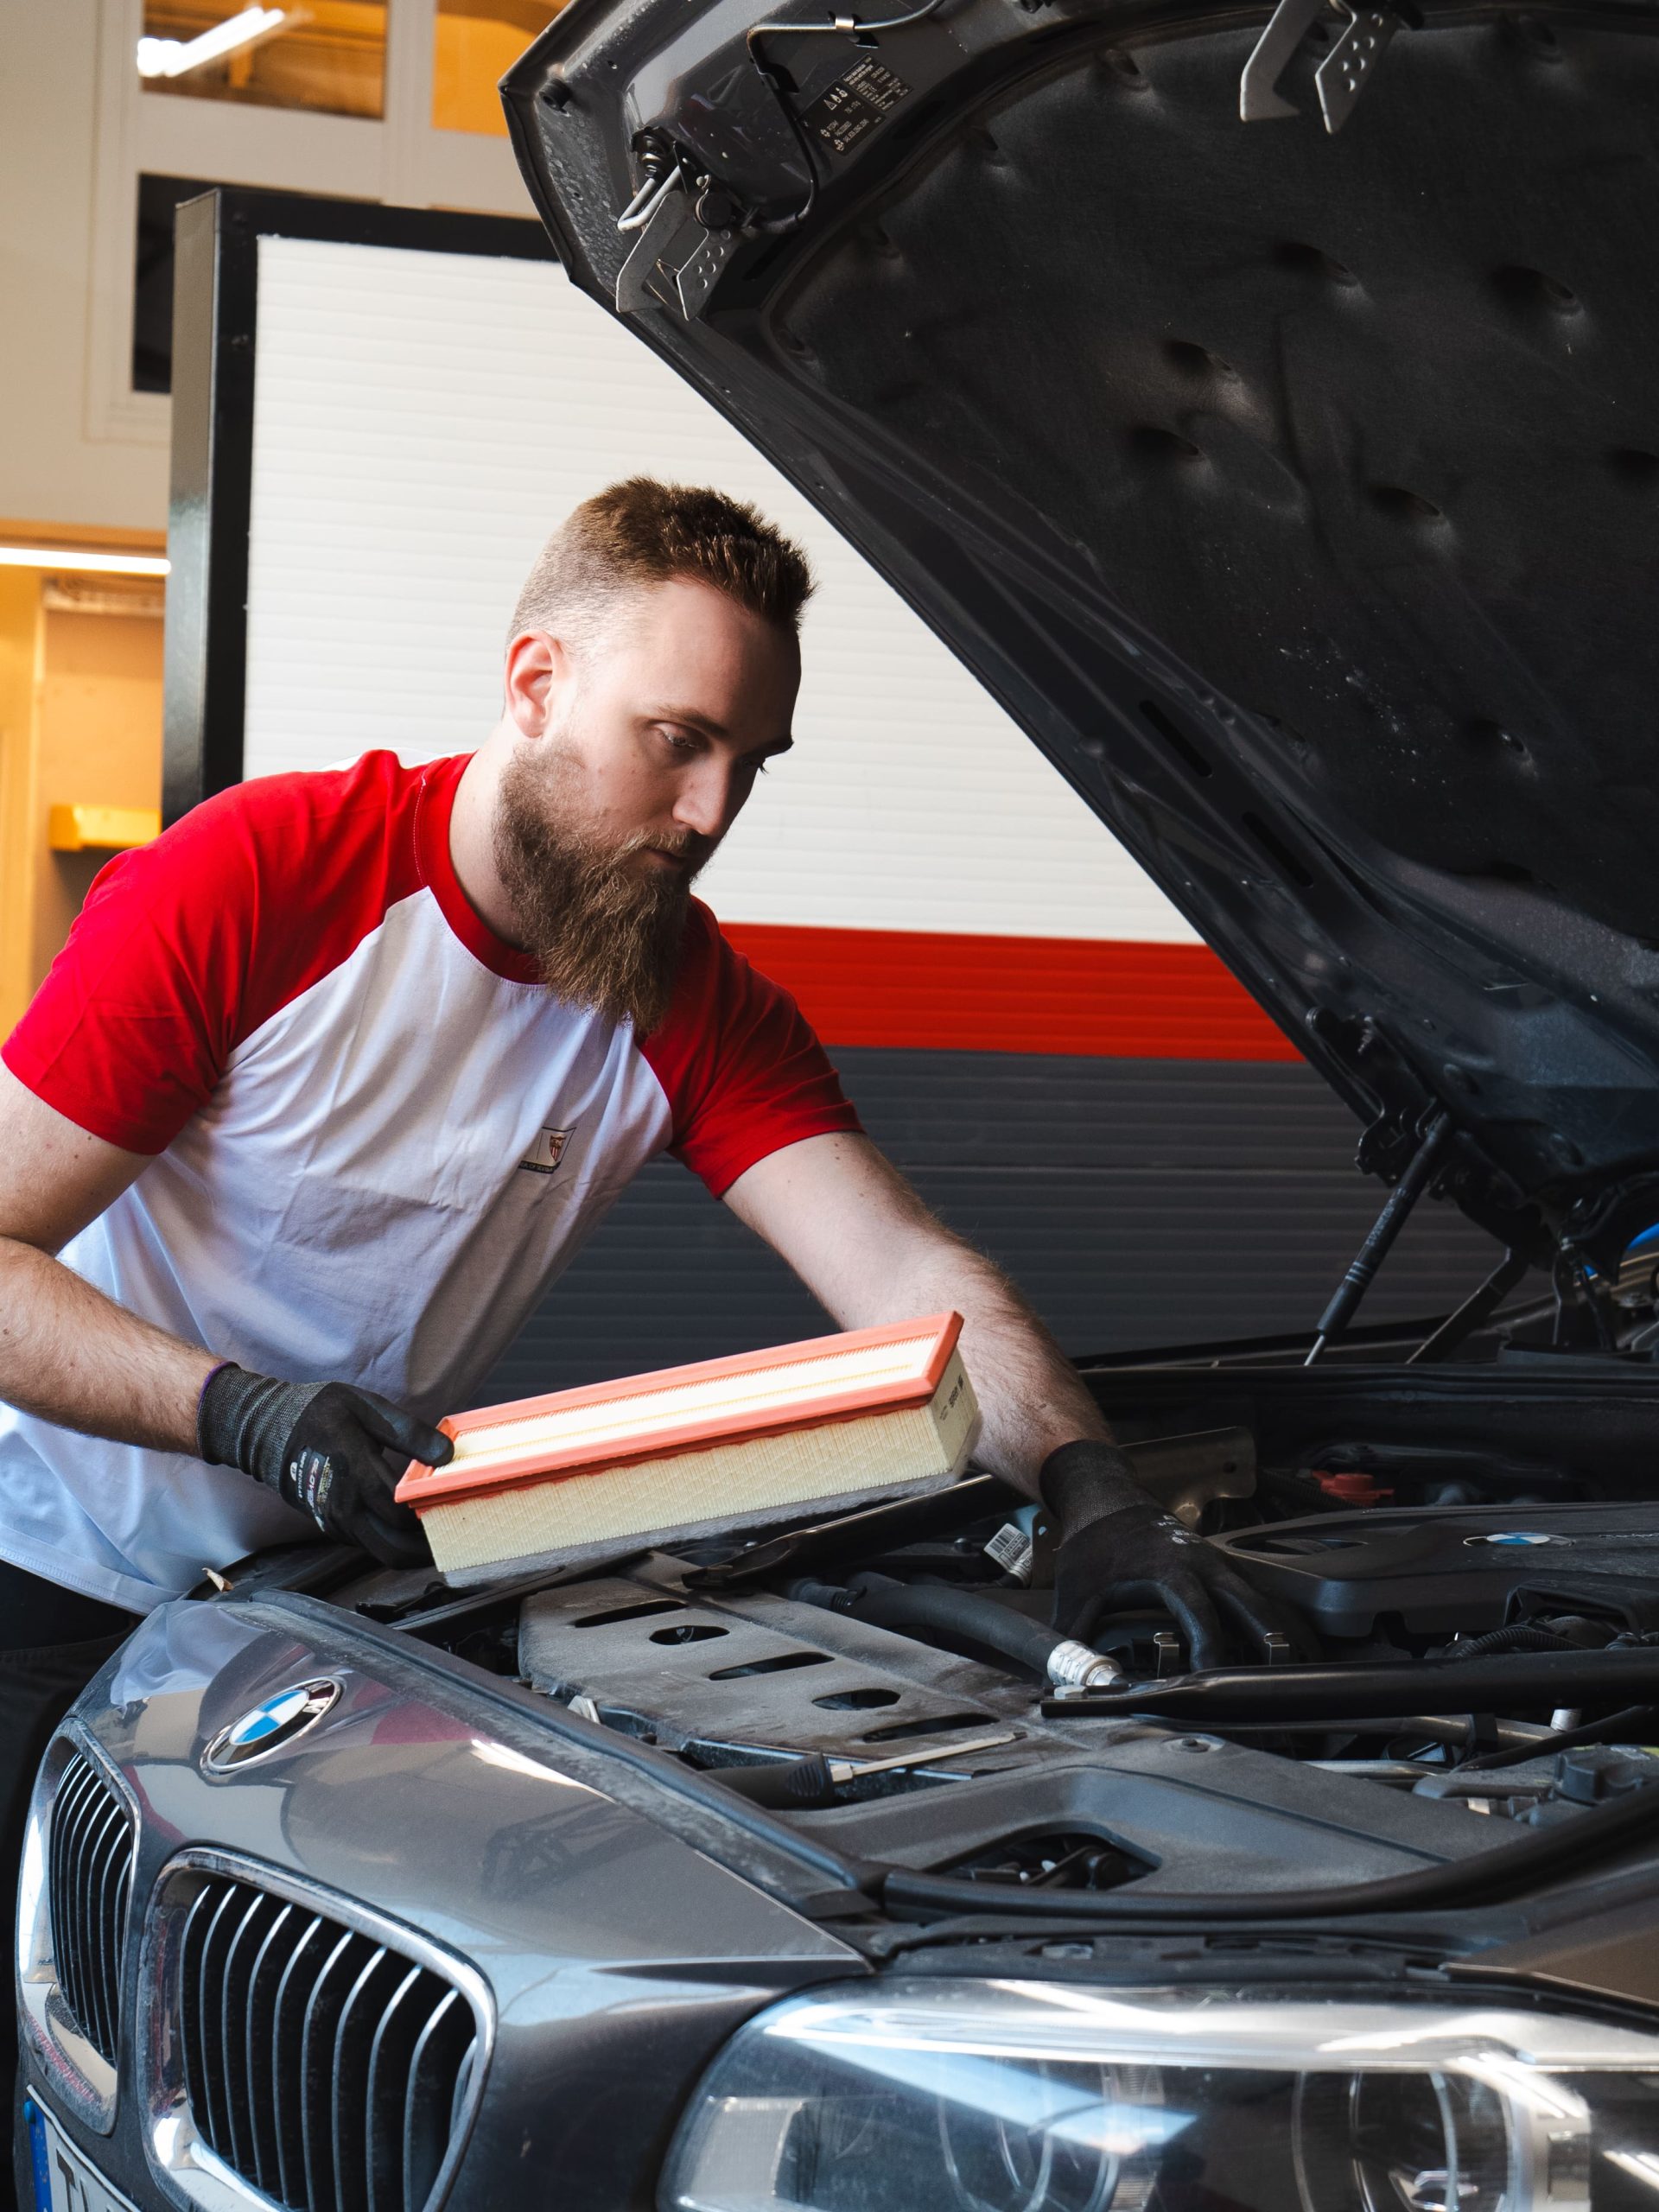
(605, 932)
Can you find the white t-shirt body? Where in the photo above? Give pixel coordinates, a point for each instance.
(377, 1137)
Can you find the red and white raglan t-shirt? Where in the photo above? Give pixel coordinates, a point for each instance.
(376, 1136)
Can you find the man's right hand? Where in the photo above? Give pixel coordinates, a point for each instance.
(326, 1448)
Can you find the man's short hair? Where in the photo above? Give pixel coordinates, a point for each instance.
(641, 532)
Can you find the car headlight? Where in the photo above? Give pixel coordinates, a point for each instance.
(1034, 2096)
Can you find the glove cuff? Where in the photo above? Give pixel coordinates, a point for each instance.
(1084, 1481)
(244, 1421)
(218, 1412)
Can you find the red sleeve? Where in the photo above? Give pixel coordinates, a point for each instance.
(743, 1073)
(184, 946)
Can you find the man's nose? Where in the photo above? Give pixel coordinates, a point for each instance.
(707, 799)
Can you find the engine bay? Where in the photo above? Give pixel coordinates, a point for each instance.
(1483, 1636)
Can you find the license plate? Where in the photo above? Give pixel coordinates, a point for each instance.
(64, 2181)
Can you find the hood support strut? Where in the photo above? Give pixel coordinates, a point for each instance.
(1364, 1266)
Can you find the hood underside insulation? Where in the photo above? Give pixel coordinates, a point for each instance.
(1366, 431)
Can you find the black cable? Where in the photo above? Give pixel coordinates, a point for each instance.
(780, 225)
(840, 27)
(1617, 1728)
(1487, 1878)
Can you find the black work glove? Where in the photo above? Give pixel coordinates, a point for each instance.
(327, 1448)
(1118, 1547)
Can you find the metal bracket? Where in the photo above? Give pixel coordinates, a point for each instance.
(1259, 97)
(640, 279)
(699, 273)
(677, 263)
(1339, 79)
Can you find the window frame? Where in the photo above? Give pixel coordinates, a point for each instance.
(401, 161)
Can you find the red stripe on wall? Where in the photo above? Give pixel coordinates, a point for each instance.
(1106, 1001)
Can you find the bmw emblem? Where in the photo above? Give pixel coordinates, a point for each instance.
(270, 1726)
(1518, 1539)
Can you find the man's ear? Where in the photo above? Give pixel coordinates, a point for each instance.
(539, 672)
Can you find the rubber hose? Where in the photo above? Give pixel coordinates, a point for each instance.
(958, 1615)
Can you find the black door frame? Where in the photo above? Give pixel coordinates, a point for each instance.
(215, 354)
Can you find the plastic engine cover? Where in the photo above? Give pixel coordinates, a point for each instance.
(1456, 1569)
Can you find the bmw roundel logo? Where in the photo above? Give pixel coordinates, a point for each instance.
(1518, 1539)
(270, 1726)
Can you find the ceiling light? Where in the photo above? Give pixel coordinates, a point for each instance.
(66, 559)
(172, 57)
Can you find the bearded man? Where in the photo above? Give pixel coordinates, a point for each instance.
(332, 1080)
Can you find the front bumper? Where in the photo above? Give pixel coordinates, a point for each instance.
(600, 1961)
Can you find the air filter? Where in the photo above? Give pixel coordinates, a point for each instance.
(692, 1451)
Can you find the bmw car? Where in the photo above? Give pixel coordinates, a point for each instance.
(1264, 409)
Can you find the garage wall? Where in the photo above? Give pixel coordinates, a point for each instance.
(58, 462)
(1026, 1023)
(915, 870)
(423, 420)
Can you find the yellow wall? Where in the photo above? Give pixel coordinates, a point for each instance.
(20, 627)
(99, 743)
(81, 723)
(469, 55)
(474, 43)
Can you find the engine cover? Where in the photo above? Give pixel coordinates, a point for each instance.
(1457, 1568)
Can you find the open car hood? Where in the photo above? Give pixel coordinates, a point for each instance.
(1297, 491)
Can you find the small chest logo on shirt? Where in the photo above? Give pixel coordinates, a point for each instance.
(544, 1155)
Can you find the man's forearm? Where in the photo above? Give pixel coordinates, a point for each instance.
(871, 1251)
(1031, 1396)
(72, 1356)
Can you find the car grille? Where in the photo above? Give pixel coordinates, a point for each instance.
(324, 2067)
(91, 1884)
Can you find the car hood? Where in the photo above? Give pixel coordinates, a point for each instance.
(1297, 491)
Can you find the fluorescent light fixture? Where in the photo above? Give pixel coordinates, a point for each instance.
(83, 560)
(172, 57)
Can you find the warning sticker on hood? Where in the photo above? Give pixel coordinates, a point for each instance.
(854, 104)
